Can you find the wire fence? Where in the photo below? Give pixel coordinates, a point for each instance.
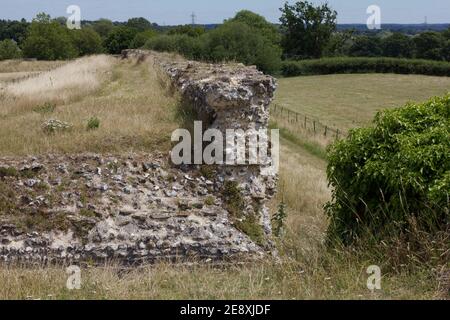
(306, 122)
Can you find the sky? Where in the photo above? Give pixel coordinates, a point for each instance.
(171, 12)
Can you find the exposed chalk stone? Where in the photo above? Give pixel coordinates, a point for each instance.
(139, 208)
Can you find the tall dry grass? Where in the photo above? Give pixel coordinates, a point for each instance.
(8, 66)
(60, 86)
(136, 112)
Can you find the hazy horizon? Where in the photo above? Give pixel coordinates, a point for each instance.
(173, 12)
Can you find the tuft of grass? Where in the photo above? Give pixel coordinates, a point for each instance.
(45, 108)
(210, 200)
(8, 172)
(93, 123)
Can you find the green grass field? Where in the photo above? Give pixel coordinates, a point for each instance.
(346, 101)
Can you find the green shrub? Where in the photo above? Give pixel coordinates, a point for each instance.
(9, 50)
(93, 123)
(393, 175)
(120, 38)
(87, 41)
(365, 65)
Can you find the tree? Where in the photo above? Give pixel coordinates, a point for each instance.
(239, 42)
(87, 41)
(339, 44)
(191, 31)
(48, 40)
(142, 37)
(365, 46)
(398, 45)
(259, 23)
(14, 30)
(119, 39)
(429, 45)
(139, 24)
(306, 29)
(9, 50)
(446, 51)
(103, 27)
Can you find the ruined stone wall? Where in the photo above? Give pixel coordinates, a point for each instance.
(229, 96)
(140, 208)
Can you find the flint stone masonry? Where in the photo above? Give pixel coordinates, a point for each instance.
(140, 208)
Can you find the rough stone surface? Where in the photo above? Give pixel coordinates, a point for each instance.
(139, 208)
(135, 209)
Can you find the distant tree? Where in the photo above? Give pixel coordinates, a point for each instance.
(61, 20)
(87, 41)
(103, 27)
(429, 45)
(365, 46)
(398, 45)
(142, 37)
(191, 31)
(446, 51)
(139, 24)
(269, 30)
(239, 42)
(120, 38)
(306, 29)
(14, 30)
(339, 44)
(48, 40)
(446, 34)
(9, 50)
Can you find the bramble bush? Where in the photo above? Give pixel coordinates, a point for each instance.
(392, 176)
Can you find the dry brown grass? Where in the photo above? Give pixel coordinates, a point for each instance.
(135, 111)
(29, 66)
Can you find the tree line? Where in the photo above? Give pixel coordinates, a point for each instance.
(306, 31)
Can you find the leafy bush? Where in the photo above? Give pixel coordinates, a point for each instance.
(365, 65)
(392, 175)
(9, 50)
(120, 38)
(141, 38)
(87, 41)
(93, 123)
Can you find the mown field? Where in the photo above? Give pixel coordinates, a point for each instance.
(345, 101)
(136, 112)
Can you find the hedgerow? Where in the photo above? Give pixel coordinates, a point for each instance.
(364, 65)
